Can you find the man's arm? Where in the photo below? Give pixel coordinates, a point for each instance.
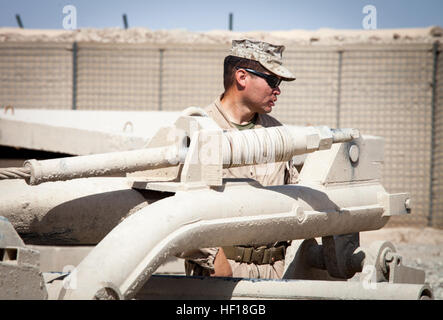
(222, 268)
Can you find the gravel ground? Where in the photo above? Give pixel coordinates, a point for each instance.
(419, 247)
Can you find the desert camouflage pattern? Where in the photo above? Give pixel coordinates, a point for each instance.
(200, 262)
(269, 55)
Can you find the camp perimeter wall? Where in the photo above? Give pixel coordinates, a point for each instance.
(389, 90)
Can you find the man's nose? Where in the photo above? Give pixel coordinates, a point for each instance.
(276, 91)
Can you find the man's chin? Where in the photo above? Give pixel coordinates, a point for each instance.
(265, 109)
(268, 109)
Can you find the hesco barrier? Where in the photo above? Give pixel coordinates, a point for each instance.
(437, 154)
(394, 91)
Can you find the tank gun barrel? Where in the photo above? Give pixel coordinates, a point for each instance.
(239, 148)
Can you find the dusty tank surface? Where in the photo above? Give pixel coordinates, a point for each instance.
(109, 222)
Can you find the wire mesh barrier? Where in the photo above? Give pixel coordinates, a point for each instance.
(390, 96)
(393, 91)
(36, 76)
(191, 76)
(436, 214)
(117, 77)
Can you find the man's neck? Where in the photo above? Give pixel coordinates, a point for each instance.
(236, 110)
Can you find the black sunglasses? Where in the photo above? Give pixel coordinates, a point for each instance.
(272, 81)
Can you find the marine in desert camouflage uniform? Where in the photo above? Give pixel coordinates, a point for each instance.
(253, 72)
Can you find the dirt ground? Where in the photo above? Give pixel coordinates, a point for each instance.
(419, 247)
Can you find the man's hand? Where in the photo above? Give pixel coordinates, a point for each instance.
(222, 268)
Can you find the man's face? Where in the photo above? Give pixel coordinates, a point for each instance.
(259, 95)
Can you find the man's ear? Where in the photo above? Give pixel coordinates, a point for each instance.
(240, 77)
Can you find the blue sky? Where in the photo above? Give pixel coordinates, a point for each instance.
(205, 15)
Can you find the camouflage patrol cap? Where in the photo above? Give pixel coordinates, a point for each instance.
(269, 56)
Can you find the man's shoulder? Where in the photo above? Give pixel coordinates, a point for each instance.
(210, 108)
(214, 112)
